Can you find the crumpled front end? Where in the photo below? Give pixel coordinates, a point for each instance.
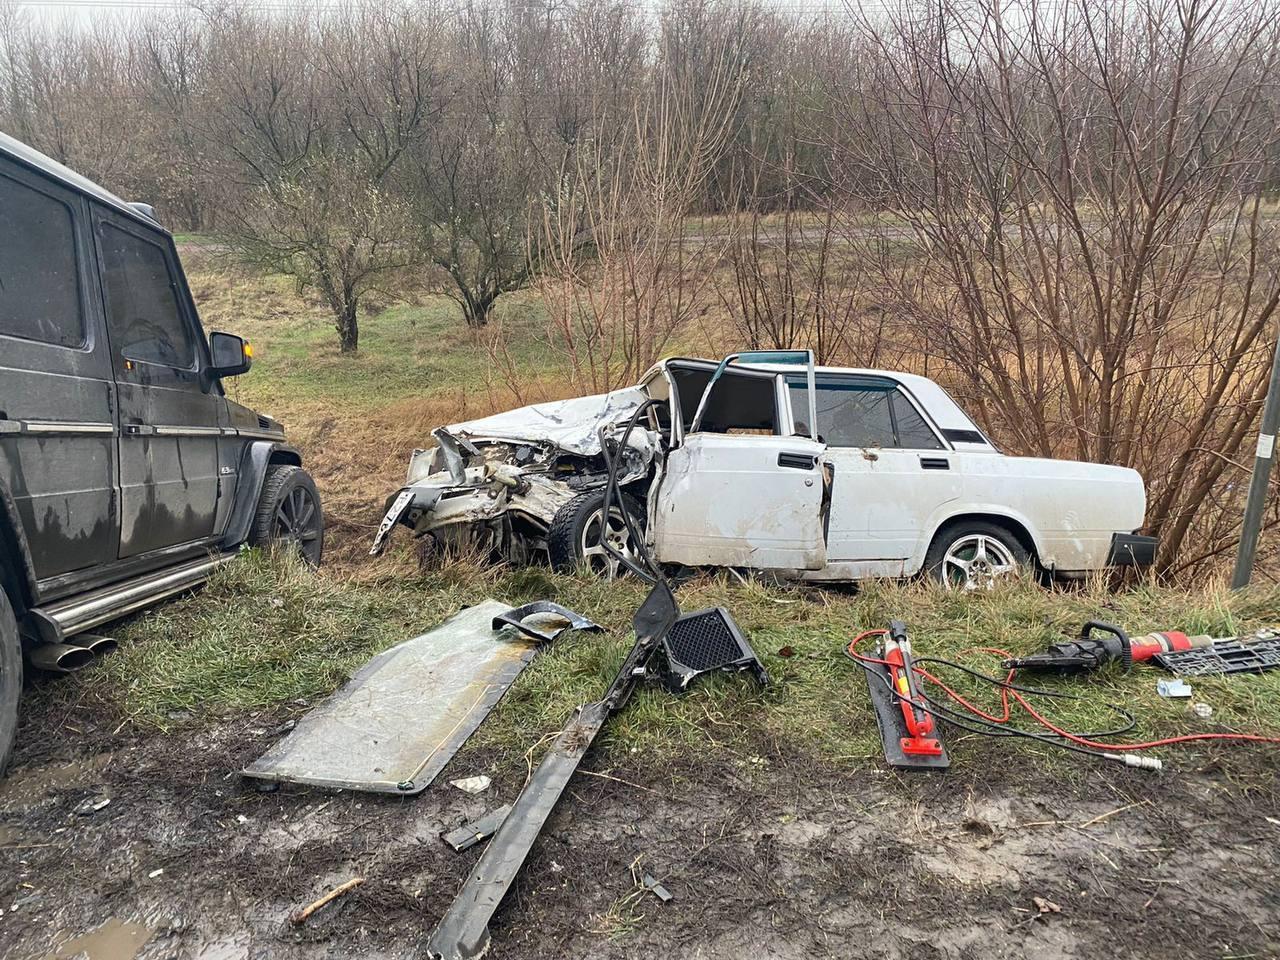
(492, 486)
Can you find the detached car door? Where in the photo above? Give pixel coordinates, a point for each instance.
(737, 490)
(169, 418)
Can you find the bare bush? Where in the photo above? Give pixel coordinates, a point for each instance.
(1089, 253)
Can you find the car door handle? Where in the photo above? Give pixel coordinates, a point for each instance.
(935, 463)
(139, 430)
(797, 461)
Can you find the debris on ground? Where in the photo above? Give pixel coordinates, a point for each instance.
(1173, 689)
(469, 834)
(92, 805)
(301, 915)
(395, 725)
(657, 889)
(472, 785)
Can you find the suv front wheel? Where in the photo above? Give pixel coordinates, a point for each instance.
(10, 679)
(289, 513)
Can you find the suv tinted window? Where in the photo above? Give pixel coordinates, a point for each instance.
(39, 279)
(144, 320)
(852, 414)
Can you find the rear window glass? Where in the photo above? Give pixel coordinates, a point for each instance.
(144, 320)
(854, 414)
(39, 278)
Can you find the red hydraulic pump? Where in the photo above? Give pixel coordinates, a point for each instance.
(920, 740)
(1102, 642)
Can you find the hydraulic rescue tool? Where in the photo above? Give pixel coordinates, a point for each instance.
(1101, 643)
(909, 734)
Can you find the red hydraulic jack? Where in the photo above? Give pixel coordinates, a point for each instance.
(910, 737)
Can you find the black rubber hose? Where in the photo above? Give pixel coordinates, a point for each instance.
(651, 572)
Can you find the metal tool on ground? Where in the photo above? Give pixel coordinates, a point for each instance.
(960, 711)
(1101, 643)
(1224, 657)
(907, 731)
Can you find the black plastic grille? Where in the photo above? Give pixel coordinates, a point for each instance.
(703, 641)
(1223, 658)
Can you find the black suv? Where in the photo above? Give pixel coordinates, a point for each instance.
(126, 475)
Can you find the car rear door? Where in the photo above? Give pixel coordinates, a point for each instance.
(736, 489)
(893, 470)
(57, 443)
(169, 414)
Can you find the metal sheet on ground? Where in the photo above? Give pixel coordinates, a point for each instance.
(401, 718)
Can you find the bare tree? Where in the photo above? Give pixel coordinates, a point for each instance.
(318, 115)
(1090, 260)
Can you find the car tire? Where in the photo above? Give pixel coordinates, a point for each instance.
(10, 680)
(975, 555)
(573, 539)
(289, 513)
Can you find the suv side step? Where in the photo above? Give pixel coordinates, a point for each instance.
(57, 621)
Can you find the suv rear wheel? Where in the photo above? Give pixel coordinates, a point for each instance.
(10, 679)
(289, 513)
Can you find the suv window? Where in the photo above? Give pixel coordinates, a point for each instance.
(862, 414)
(144, 320)
(39, 276)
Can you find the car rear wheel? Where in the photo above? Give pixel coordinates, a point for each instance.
(974, 555)
(10, 680)
(289, 513)
(579, 532)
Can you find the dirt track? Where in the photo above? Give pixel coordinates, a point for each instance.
(772, 856)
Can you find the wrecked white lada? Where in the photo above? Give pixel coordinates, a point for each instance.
(726, 470)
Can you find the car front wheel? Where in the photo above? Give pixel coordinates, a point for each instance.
(974, 555)
(289, 513)
(579, 532)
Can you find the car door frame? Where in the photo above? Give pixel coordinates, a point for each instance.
(879, 556)
(206, 436)
(88, 361)
(741, 554)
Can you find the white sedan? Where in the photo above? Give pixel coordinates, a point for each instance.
(725, 469)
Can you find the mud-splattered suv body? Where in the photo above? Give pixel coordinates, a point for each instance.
(126, 475)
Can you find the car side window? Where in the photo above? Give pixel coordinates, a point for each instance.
(39, 274)
(860, 414)
(144, 319)
(913, 433)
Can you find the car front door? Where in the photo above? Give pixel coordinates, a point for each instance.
(893, 472)
(57, 443)
(737, 490)
(168, 413)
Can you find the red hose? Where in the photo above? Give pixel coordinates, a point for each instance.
(1006, 712)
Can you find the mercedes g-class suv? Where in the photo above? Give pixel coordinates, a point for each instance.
(126, 475)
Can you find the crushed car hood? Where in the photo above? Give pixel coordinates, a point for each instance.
(572, 425)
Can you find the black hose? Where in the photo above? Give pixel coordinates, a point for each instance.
(973, 724)
(650, 572)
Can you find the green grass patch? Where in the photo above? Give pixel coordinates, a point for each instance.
(266, 633)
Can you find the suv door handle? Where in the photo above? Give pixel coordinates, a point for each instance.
(935, 463)
(797, 461)
(138, 429)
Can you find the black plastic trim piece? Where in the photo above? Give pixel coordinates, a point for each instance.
(1132, 550)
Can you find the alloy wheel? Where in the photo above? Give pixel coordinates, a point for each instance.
(977, 562)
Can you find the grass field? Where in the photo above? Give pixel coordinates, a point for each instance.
(265, 634)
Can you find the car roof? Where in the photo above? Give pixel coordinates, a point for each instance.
(946, 413)
(35, 160)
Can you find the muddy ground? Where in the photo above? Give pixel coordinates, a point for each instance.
(771, 856)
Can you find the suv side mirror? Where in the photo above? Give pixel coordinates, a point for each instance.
(232, 355)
